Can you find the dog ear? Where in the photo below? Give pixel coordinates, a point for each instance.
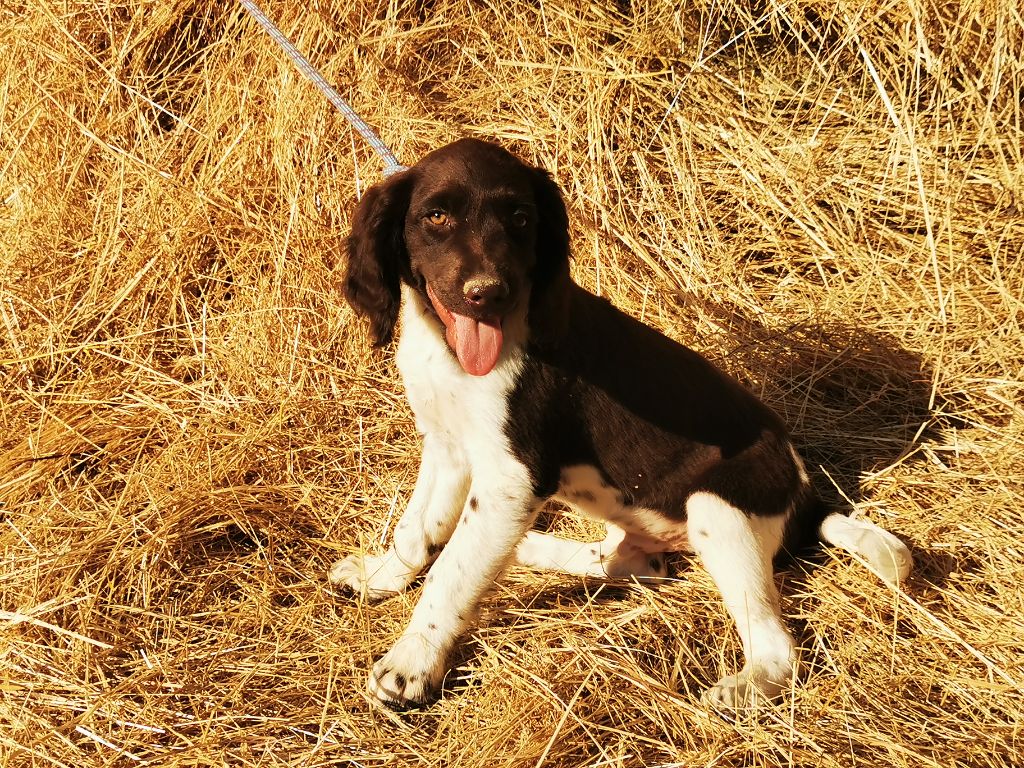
(549, 296)
(377, 256)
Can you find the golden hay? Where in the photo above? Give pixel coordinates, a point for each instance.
(825, 197)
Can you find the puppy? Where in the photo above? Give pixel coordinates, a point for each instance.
(526, 387)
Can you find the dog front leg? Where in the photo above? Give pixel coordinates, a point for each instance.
(494, 520)
(427, 524)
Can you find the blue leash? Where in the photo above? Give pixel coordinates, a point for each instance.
(391, 164)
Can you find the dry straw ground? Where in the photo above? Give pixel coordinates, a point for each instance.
(824, 196)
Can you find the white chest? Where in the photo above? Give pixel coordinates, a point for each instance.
(469, 410)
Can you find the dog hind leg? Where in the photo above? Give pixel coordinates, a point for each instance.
(737, 550)
(613, 558)
(885, 554)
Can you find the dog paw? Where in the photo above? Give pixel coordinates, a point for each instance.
(637, 564)
(370, 578)
(886, 555)
(746, 689)
(409, 675)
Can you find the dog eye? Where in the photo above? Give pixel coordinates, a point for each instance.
(437, 218)
(520, 218)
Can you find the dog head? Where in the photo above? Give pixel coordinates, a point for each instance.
(479, 234)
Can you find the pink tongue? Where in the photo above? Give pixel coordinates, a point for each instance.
(477, 343)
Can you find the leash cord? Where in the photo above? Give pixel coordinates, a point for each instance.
(391, 164)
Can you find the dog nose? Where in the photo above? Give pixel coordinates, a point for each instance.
(485, 294)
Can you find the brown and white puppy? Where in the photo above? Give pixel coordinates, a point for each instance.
(526, 387)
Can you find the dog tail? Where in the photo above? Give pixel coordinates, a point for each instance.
(884, 554)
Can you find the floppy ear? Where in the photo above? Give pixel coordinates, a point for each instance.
(549, 296)
(377, 257)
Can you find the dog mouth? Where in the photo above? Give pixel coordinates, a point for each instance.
(476, 342)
